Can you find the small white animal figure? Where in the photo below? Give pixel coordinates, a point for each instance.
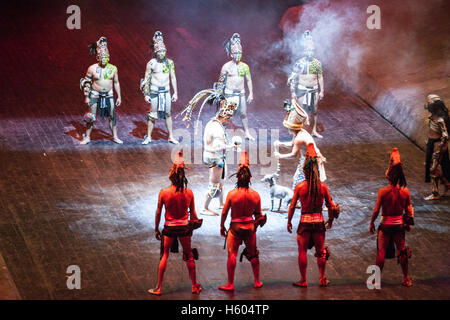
(277, 191)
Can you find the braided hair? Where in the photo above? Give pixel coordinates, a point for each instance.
(243, 176)
(178, 178)
(396, 176)
(311, 171)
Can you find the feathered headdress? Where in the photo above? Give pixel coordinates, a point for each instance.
(233, 44)
(99, 47)
(394, 172)
(158, 42)
(310, 156)
(307, 40)
(210, 95)
(295, 116)
(244, 161)
(178, 162)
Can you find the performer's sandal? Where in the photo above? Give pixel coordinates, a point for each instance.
(155, 291)
(301, 284)
(225, 288)
(323, 282)
(197, 288)
(407, 282)
(172, 140)
(117, 140)
(432, 197)
(85, 141)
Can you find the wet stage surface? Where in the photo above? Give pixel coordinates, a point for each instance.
(93, 206)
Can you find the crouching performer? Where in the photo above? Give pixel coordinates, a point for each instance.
(246, 216)
(177, 199)
(97, 87)
(293, 121)
(311, 230)
(396, 217)
(437, 165)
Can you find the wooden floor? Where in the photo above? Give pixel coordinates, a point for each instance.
(93, 206)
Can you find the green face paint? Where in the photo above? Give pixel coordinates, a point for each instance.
(161, 55)
(104, 60)
(236, 56)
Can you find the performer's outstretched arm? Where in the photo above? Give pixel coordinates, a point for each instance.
(295, 150)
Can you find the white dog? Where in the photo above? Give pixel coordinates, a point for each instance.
(277, 191)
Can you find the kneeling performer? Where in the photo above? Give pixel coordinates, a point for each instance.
(244, 203)
(311, 229)
(177, 199)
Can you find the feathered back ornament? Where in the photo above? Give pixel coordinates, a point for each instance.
(208, 95)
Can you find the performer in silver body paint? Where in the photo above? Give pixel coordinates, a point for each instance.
(97, 87)
(159, 73)
(306, 80)
(231, 81)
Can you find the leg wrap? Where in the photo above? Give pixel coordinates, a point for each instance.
(214, 190)
(89, 117)
(247, 255)
(406, 253)
(325, 253)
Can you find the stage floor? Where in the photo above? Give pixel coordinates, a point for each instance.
(93, 206)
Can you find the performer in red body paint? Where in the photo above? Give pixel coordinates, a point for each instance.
(394, 200)
(177, 199)
(244, 203)
(311, 230)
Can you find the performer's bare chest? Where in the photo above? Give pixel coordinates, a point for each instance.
(103, 74)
